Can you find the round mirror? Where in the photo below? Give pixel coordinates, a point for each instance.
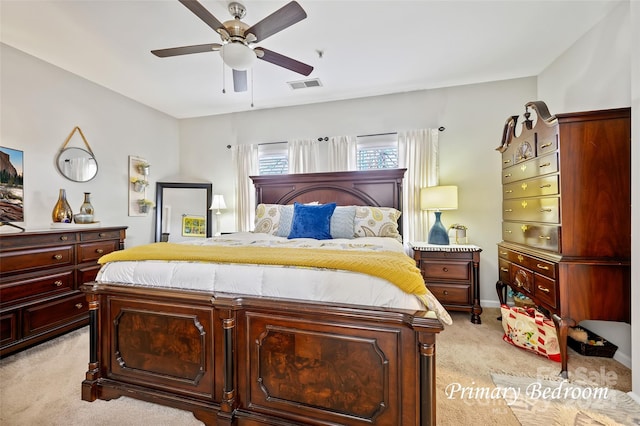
(77, 164)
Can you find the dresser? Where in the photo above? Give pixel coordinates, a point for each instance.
(40, 273)
(566, 215)
(452, 275)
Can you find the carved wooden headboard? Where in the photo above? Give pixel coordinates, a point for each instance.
(380, 188)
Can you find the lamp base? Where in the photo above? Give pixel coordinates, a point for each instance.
(438, 234)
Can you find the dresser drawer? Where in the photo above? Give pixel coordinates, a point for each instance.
(44, 316)
(545, 210)
(47, 257)
(88, 274)
(531, 168)
(37, 287)
(9, 327)
(451, 294)
(90, 252)
(547, 142)
(445, 270)
(36, 240)
(100, 235)
(541, 236)
(545, 290)
(547, 185)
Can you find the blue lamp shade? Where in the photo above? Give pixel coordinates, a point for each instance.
(439, 198)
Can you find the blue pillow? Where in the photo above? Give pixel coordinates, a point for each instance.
(342, 222)
(312, 221)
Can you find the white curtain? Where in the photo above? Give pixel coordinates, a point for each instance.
(342, 153)
(245, 159)
(418, 152)
(303, 155)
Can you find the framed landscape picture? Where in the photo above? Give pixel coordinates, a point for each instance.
(11, 186)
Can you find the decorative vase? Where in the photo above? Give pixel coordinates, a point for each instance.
(86, 208)
(438, 234)
(62, 212)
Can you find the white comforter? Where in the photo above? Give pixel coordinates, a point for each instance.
(316, 284)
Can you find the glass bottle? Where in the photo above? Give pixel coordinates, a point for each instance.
(62, 212)
(86, 207)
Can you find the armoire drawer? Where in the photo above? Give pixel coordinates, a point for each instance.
(540, 236)
(546, 210)
(545, 290)
(537, 187)
(531, 168)
(532, 263)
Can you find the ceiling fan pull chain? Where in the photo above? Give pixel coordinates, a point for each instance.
(251, 71)
(224, 85)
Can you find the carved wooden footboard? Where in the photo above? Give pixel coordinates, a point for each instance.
(235, 360)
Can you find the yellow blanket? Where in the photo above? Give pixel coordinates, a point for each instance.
(396, 268)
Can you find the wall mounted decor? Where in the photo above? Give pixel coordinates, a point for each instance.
(139, 169)
(77, 164)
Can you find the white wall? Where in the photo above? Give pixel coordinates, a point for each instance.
(595, 73)
(40, 106)
(473, 116)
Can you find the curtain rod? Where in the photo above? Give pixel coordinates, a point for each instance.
(325, 138)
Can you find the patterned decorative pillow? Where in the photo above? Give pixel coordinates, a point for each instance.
(286, 217)
(267, 219)
(377, 222)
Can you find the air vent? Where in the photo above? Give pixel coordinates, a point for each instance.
(304, 84)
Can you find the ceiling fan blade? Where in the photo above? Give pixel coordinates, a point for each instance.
(202, 13)
(282, 18)
(239, 81)
(186, 50)
(283, 61)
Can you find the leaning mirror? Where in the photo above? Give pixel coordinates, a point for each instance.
(77, 164)
(177, 202)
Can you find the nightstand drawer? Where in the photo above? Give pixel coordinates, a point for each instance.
(444, 270)
(451, 294)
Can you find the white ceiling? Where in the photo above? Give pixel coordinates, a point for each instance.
(369, 47)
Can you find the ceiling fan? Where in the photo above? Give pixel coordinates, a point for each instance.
(238, 38)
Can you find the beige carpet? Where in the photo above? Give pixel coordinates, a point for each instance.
(42, 385)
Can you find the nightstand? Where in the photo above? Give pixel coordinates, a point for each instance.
(452, 274)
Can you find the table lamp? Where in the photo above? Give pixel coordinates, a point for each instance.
(439, 198)
(216, 204)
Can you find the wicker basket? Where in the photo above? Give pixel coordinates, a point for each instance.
(607, 350)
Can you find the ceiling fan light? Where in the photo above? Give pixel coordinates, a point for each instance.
(238, 56)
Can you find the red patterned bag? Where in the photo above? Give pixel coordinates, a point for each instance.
(529, 329)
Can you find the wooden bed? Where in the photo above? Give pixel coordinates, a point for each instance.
(238, 360)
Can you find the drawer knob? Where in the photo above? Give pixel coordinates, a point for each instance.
(508, 191)
(504, 253)
(101, 235)
(545, 145)
(508, 210)
(63, 237)
(545, 186)
(57, 283)
(99, 251)
(508, 175)
(446, 293)
(79, 305)
(545, 210)
(504, 269)
(544, 237)
(546, 268)
(544, 289)
(445, 269)
(506, 161)
(545, 165)
(57, 256)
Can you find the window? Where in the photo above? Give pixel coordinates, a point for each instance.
(273, 158)
(377, 151)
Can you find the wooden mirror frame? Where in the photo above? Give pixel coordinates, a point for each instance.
(161, 186)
